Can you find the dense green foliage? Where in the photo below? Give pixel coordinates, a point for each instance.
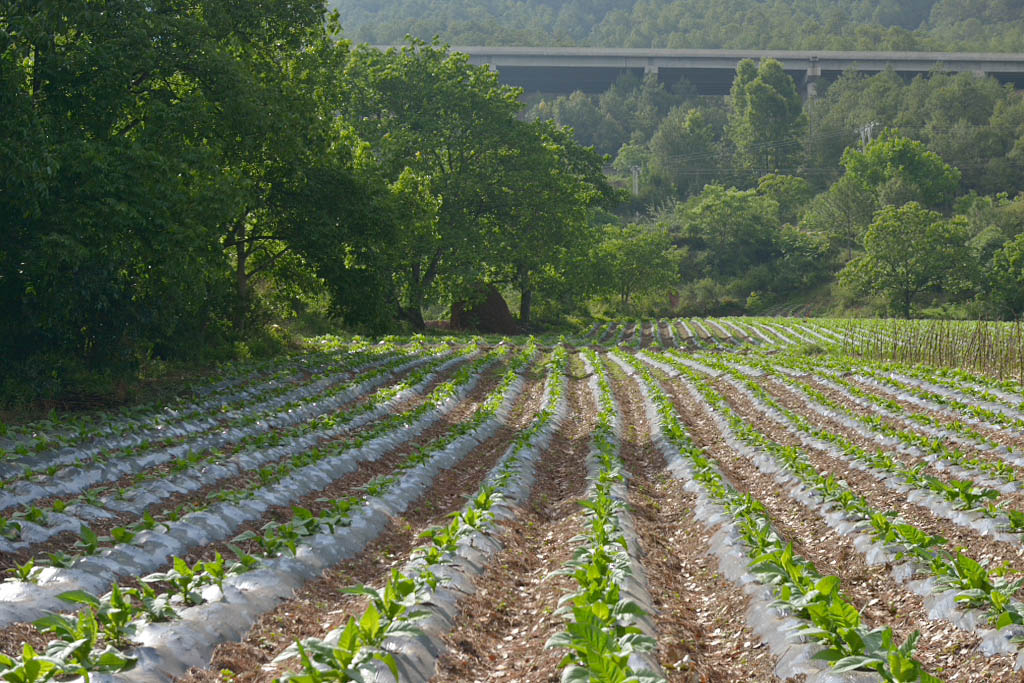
(768, 196)
(178, 173)
(988, 25)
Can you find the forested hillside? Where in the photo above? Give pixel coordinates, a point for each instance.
(184, 178)
(763, 199)
(986, 25)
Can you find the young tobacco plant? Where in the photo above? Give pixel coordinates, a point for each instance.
(76, 645)
(184, 580)
(351, 653)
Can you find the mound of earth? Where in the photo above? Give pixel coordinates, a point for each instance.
(486, 311)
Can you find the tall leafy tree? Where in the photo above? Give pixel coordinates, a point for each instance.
(549, 185)
(428, 112)
(635, 260)
(724, 232)
(898, 170)
(766, 118)
(682, 151)
(910, 250)
(123, 97)
(1006, 279)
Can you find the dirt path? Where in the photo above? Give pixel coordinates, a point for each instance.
(700, 617)
(501, 633)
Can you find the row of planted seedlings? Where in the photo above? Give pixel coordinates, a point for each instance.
(177, 616)
(218, 426)
(958, 382)
(320, 414)
(399, 635)
(237, 385)
(926, 435)
(609, 633)
(299, 433)
(70, 471)
(969, 500)
(803, 616)
(173, 427)
(311, 466)
(754, 332)
(974, 404)
(954, 586)
(974, 401)
(271, 462)
(233, 383)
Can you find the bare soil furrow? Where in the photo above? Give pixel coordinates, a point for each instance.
(700, 614)
(501, 633)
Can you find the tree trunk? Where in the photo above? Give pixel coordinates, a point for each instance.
(242, 289)
(414, 316)
(525, 298)
(413, 313)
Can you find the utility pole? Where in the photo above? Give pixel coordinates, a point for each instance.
(867, 134)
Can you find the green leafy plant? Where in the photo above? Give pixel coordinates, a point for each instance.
(88, 542)
(27, 572)
(30, 667)
(76, 644)
(184, 580)
(115, 613)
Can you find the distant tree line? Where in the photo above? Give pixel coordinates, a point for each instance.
(957, 25)
(765, 198)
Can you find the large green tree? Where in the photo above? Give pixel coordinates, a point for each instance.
(724, 232)
(682, 151)
(1006, 279)
(429, 113)
(635, 260)
(897, 170)
(766, 118)
(166, 164)
(910, 250)
(549, 186)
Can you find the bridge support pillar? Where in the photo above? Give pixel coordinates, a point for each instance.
(811, 79)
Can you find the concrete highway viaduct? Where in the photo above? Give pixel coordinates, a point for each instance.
(566, 69)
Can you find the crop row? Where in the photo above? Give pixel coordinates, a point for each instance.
(291, 552)
(760, 559)
(294, 433)
(980, 597)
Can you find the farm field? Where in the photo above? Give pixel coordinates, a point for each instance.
(733, 499)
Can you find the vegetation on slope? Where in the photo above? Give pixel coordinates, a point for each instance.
(989, 25)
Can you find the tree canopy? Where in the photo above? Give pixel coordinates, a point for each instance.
(909, 250)
(178, 172)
